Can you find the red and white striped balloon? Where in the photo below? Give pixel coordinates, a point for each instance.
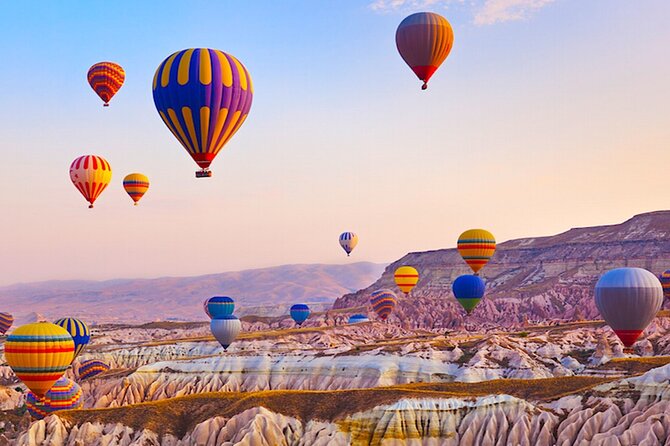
(90, 174)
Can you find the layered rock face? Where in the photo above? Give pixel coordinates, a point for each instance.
(528, 280)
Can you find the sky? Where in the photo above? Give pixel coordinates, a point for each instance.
(547, 115)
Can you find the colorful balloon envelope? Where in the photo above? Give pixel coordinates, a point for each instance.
(136, 185)
(225, 329)
(469, 290)
(203, 96)
(406, 277)
(348, 241)
(665, 283)
(106, 78)
(64, 395)
(424, 41)
(91, 368)
(220, 306)
(628, 299)
(79, 331)
(90, 174)
(476, 246)
(358, 318)
(6, 321)
(299, 313)
(383, 303)
(39, 354)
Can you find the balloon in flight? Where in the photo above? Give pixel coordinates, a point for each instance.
(90, 174)
(348, 241)
(90, 368)
(358, 318)
(476, 246)
(136, 185)
(6, 321)
(424, 41)
(383, 303)
(665, 282)
(203, 96)
(106, 78)
(468, 290)
(79, 331)
(39, 354)
(219, 306)
(299, 313)
(628, 299)
(225, 329)
(64, 395)
(406, 277)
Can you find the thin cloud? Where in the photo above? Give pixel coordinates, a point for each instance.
(402, 5)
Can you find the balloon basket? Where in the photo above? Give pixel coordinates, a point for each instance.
(204, 173)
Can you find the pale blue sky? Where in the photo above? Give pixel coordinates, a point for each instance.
(546, 115)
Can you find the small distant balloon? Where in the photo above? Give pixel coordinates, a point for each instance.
(91, 368)
(348, 241)
(90, 174)
(64, 395)
(106, 78)
(299, 313)
(136, 185)
(383, 303)
(219, 306)
(79, 331)
(406, 277)
(468, 290)
(424, 41)
(225, 329)
(476, 246)
(665, 282)
(628, 299)
(358, 318)
(6, 321)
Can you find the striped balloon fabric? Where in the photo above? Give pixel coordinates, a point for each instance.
(64, 395)
(90, 174)
(383, 303)
(225, 329)
(203, 96)
(78, 330)
(90, 368)
(136, 185)
(406, 277)
(665, 282)
(358, 318)
(106, 78)
(39, 354)
(220, 306)
(348, 241)
(6, 321)
(299, 313)
(476, 246)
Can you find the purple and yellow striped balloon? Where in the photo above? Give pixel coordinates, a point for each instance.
(6, 321)
(383, 302)
(64, 395)
(90, 368)
(665, 282)
(203, 96)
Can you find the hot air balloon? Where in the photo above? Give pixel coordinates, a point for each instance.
(39, 354)
(469, 290)
(91, 367)
(136, 186)
(348, 241)
(64, 395)
(628, 299)
(203, 96)
(406, 278)
(204, 307)
(220, 306)
(383, 302)
(424, 41)
(106, 78)
(90, 174)
(225, 329)
(299, 313)
(665, 282)
(79, 331)
(476, 246)
(358, 318)
(6, 321)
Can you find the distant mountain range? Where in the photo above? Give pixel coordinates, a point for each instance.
(528, 280)
(265, 292)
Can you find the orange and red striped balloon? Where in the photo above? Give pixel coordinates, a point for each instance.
(136, 185)
(406, 277)
(476, 246)
(106, 78)
(90, 174)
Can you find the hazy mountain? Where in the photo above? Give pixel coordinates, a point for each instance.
(267, 291)
(530, 279)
